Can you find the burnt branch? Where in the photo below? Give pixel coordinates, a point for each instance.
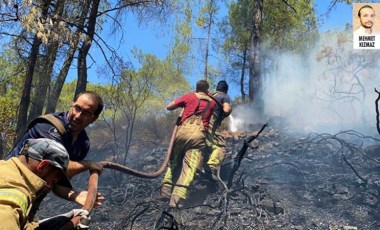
(138, 211)
(290, 6)
(346, 143)
(239, 157)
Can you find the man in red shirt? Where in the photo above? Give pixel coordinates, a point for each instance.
(189, 143)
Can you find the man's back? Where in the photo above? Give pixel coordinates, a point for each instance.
(193, 105)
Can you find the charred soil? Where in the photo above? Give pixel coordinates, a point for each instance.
(317, 181)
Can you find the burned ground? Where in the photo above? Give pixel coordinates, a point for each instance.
(318, 181)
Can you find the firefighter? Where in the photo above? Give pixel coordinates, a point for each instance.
(215, 139)
(68, 128)
(189, 144)
(41, 165)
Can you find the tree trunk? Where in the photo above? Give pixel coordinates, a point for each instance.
(242, 75)
(255, 81)
(207, 47)
(86, 45)
(27, 88)
(58, 84)
(43, 83)
(61, 78)
(22, 116)
(129, 134)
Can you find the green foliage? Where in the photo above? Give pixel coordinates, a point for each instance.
(284, 26)
(138, 96)
(180, 49)
(240, 19)
(10, 85)
(67, 95)
(149, 88)
(289, 26)
(7, 114)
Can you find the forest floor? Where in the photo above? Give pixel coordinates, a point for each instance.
(286, 181)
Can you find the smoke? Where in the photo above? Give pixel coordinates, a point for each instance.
(333, 94)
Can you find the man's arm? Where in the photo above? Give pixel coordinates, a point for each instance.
(171, 106)
(9, 217)
(76, 167)
(73, 169)
(77, 197)
(227, 109)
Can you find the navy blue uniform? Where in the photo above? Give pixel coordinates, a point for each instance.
(44, 129)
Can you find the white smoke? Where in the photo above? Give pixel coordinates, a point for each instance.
(312, 96)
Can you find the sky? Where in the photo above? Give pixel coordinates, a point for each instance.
(340, 15)
(152, 39)
(289, 94)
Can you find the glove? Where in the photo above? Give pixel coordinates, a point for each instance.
(79, 212)
(56, 222)
(84, 218)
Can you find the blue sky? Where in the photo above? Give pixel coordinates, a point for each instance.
(152, 39)
(340, 15)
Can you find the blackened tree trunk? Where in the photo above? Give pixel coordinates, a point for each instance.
(242, 75)
(209, 25)
(59, 82)
(27, 88)
(43, 81)
(86, 45)
(255, 81)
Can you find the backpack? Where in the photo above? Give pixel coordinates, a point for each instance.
(50, 118)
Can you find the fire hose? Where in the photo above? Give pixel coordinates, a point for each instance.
(94, 176)
(133, 172)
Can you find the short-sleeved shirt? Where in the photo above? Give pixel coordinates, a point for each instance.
(190, 104)
(44, 129)
(222, 98)
(218, 111)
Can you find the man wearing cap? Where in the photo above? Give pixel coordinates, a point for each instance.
(41, 165)
(68, 128)
(215, 139)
